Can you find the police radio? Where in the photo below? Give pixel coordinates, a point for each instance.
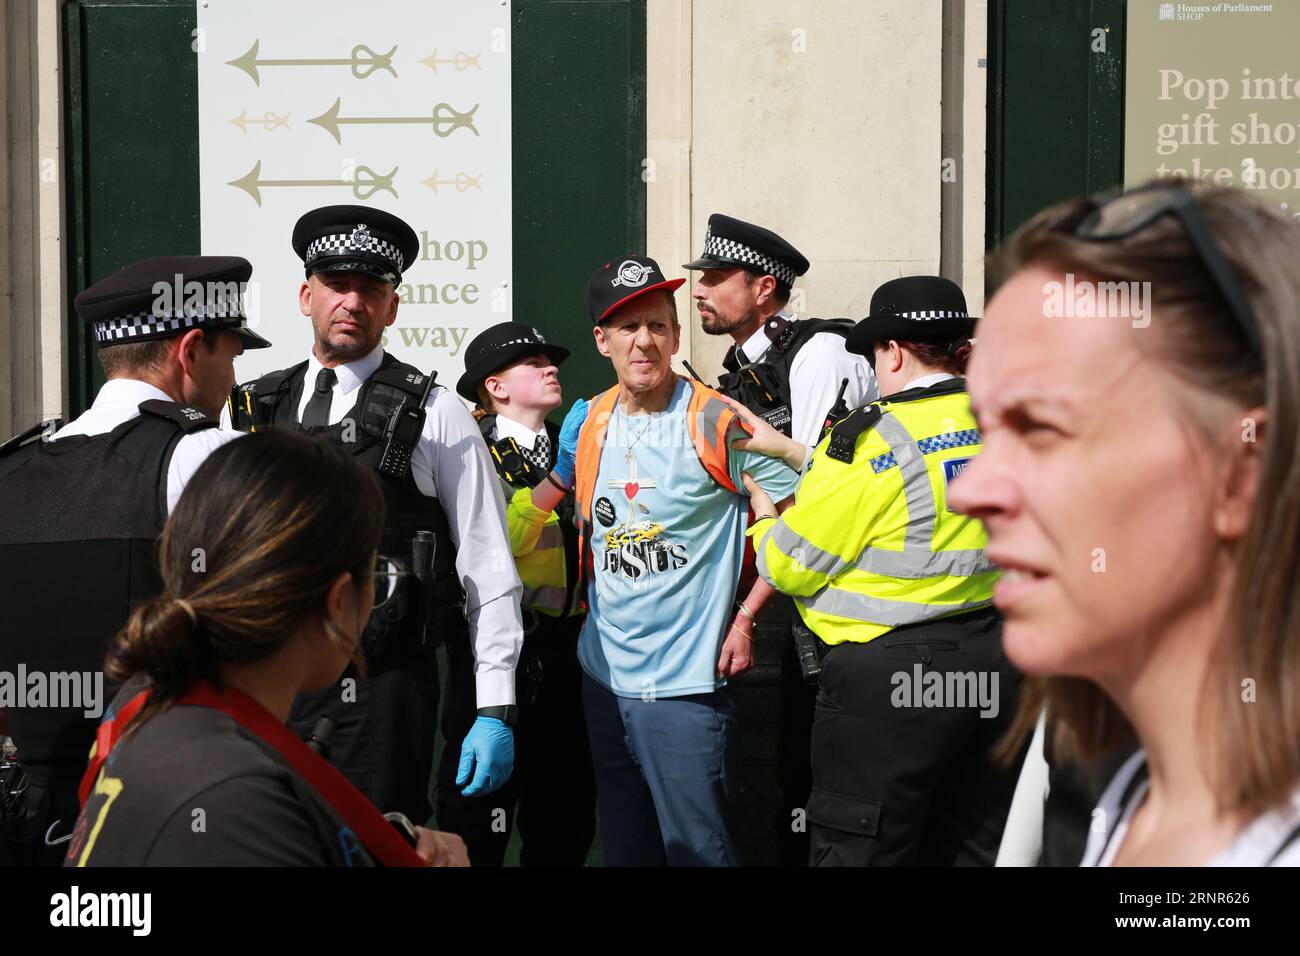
(402, 434)
(837, 412)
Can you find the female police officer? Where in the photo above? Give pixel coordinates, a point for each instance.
(267, 563)
(914, 689)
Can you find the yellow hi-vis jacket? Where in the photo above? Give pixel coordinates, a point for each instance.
(870, 543)
(537, 544)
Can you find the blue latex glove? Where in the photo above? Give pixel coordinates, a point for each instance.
(566, 459)
(489, 753)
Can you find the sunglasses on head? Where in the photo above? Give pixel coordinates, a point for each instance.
(1119, 216)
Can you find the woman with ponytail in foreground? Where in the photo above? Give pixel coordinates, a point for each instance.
(268, 564)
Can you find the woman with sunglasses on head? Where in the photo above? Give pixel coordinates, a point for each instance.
(1140, 484)
(268, 567)
(914, 691)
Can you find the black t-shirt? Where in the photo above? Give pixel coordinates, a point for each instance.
(191, 787)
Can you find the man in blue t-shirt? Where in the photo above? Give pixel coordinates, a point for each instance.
(664, 528)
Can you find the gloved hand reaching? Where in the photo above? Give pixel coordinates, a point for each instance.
(489, 754)
(566, 459)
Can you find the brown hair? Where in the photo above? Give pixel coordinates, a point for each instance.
(264, 528)
(487, 405)
(951, 355)
(780, 292)
(1252, 755)
(127, 357)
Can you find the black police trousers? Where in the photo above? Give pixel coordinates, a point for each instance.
(553, 785)
(901, 765)
(384, 733)
(36, 825)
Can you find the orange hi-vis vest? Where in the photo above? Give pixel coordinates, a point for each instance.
(708, 420)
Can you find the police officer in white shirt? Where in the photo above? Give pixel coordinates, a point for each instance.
(789, 371)
(445, 542)
(86, 507)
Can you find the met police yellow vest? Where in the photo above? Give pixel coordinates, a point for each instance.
(544, 543)
(871, 543)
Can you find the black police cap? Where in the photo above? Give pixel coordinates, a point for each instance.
(500, 346)
(913, 308)
(620, 280)
(164, 296)
(730, 243)
(355, 239)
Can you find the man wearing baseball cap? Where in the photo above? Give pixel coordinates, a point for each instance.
(445, 551)
(662, 515)
(511, 374)
(89, 503)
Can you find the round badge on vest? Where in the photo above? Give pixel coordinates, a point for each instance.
(604, 510)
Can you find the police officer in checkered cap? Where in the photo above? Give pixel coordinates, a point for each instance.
(444, 526)
(788, 371)
(92, 496)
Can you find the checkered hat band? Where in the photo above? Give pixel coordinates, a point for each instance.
(139, 325)
(342, 245)
(933, 314)
(739, 252)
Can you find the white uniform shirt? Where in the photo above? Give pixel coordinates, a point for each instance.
(1257, 844)
(815, 375)
(509, 428)
(119, 401)
(451, 463)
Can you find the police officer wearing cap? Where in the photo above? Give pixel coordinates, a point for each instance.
(789, 371)
(914, 689)
(511, 374)
(445, 555)
(89, 499)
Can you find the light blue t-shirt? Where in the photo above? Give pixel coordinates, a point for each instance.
(667, 543)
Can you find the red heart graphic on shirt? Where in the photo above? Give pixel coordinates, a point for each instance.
(631, 488)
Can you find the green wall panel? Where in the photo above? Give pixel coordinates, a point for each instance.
(132, 136)
(579, 93)
(1056, 107)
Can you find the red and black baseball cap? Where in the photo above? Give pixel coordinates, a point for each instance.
(621, 280)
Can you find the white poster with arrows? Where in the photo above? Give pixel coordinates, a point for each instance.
(387, 104)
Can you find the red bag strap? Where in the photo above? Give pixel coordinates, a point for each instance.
(376, 834)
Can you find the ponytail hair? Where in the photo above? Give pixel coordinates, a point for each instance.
(264, 528)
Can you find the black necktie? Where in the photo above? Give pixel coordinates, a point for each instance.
(731, 363)
(317, 412)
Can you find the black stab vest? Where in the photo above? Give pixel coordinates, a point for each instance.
(400, 626)
(79, 525)
(752, 384)
(566, 509)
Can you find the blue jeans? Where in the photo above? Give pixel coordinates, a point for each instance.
(663, 776)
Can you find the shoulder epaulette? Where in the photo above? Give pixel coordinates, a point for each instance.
(49, 426)
(187, 417)
(844, 436)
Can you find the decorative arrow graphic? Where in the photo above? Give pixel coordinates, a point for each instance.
(445, 120)
(462, 61)
(363, 62)
(365, 185)
(269, 121)
(462, 182)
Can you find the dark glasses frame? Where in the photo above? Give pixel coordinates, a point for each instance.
(385, 580)
(1117, 216)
